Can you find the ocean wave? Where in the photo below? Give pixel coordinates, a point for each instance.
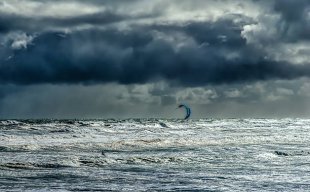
(32, 165)
(292, 153)
(19, 148)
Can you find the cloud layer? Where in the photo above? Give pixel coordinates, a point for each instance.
(104, 43)
(107, 58)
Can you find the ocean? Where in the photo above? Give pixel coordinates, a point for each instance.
(155, 155)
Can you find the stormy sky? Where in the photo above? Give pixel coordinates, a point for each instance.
(139, 58)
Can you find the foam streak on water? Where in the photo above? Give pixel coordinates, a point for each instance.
(155, 155)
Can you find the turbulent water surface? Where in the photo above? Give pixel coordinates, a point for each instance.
(155, 155)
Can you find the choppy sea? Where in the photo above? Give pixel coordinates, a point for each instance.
(155, 155)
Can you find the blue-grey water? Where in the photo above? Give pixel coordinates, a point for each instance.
(155, 155)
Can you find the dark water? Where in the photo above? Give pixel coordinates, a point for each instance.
(155, 155)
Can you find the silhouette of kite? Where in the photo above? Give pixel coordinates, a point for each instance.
(187, 110)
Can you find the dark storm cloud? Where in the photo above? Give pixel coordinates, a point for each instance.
(136, 56)
(292, 10)
(295, 17)
(208, 52)
(222, 33)
(32, 24)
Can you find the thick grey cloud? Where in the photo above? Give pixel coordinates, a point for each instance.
(296, 19)
(292, 11)
(95, 56)
(206, 52)
(31, 24)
